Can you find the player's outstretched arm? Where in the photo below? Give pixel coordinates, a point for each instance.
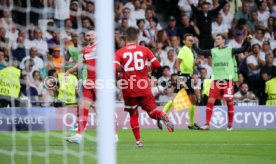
(73, 69)
(200, 51)
(245, 46)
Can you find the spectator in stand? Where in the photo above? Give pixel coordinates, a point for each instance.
(38, 62)
(204, 22)
(119, 40)
(40, 44)
(244, 93)
(273, 41)
(266, 74)
(254, 62)
(160, 54)
(4, 41)
(235, 5)
(185, 7)
(12, 34)
(208, 66)
(90, 10)
(218, 27)
(263, 13)
(238, 39)
(76, 41)
(3, 62)
(55, 41)
(48, 33)
(86, 23)
(126, 16)
(171, 30)
(259, 37)
(129, 5)
(186, 27)
(168, 95)
(174, 44)
(67, 32)
(169, 60)
(266, 49)
(6, 20)
(50, 93)
(166, 76)
(152, 30)
(202, 75)
(20, 46)
(57, 61)
(271, 6)
(123, 27)
(162, 36)
(156, 89)
(142, 32)
(227, 16)
(244, 13)
(270, 28)
(237, 43)
(138, 12)
(149, 15)
(29, 91)
(174, 82)
(118, 13)
(267, 69)
(202, 78)
(253, 22)
(37, 83)
(238, 83)
(62, 12)
(74, 13)
(28, 68)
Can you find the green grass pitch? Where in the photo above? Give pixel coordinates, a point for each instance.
(160, 147)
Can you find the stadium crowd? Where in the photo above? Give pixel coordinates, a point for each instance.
(44, 38)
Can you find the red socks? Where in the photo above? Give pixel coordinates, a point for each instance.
(134, 124)
(230, 114)
(156, 114)
(209, 111)
(83, 120)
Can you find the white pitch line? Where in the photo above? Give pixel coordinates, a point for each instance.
(216, 144)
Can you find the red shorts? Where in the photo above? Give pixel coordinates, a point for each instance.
(89, 90)
(89, 94)
(147, 103)
(222, 89)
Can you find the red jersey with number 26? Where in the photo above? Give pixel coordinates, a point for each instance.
(134, 60)
(89, 57)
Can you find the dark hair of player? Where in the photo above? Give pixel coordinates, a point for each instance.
(222, 36)
(187, 35)
(131, 34)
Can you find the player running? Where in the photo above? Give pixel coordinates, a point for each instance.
(223, 59)
(89, 90)
(132, 60)
(185, 68)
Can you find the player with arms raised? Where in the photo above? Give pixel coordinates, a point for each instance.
(132, 60)
(89, 90)
(224, 73)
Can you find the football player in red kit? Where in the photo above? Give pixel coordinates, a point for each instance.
(89, 90)
(135, 84)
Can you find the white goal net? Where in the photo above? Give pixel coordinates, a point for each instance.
(39, 41)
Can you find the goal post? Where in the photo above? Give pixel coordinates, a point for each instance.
(105, 72)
